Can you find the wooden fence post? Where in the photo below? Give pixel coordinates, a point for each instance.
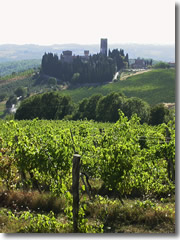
(75, 189)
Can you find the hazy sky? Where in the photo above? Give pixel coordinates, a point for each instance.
(48, 22)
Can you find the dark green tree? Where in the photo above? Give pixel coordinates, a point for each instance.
(29, 108)
(97, 68)
(127, 60)
(52, 81)
(75, 78)
(3, 96)
(136, 105)
(82, 109)
(20, 91)
(158, 114)
(45, 106)
(108, 106)
(12, 100)
(161, 65)
(91, 106)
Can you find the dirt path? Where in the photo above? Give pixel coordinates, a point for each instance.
(136, 73)
(169, 105)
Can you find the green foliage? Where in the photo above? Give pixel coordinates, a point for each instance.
(158, 114)
(118, 57)
(45, 106)
(52, 81)
(84, 226)
(130, 158)
(12, 100)
(9, 117)
(8, 169)
(87, 108)
(153, 87)
(15, 76)
(96, 68)
(39, 223)
(104, 215)
(161, 65)
(105, 108)
(97, 107)
(9, 83)
(170, 114)
(18, 66)
(108, 106)
(75, 78)
(116, 159)
(136, 105)
(20, 91)
(2, 96)
(127, 156)
(145, 204)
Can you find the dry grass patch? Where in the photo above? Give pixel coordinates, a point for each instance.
(147, 216)
(19, 201)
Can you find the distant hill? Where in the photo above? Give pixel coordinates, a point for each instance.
(7, 68)
(12, 52)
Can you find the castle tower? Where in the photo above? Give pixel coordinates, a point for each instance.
(86, 53)
(103, 48)
(67, 56)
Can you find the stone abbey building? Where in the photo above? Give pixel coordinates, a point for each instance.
(67, 56)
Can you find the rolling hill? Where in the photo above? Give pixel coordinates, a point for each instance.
(155, 86)
(7, 68)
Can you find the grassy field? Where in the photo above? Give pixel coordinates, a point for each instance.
(154, 87)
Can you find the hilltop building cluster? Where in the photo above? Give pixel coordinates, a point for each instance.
(139, 63)
(67, 56)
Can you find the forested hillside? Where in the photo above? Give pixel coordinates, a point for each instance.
(94, 69)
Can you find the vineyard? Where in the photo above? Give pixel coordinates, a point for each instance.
(127, 175)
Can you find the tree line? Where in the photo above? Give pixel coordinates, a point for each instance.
(100, 108)
(95, 68)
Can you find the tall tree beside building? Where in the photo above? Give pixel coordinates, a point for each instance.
(98, 68)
